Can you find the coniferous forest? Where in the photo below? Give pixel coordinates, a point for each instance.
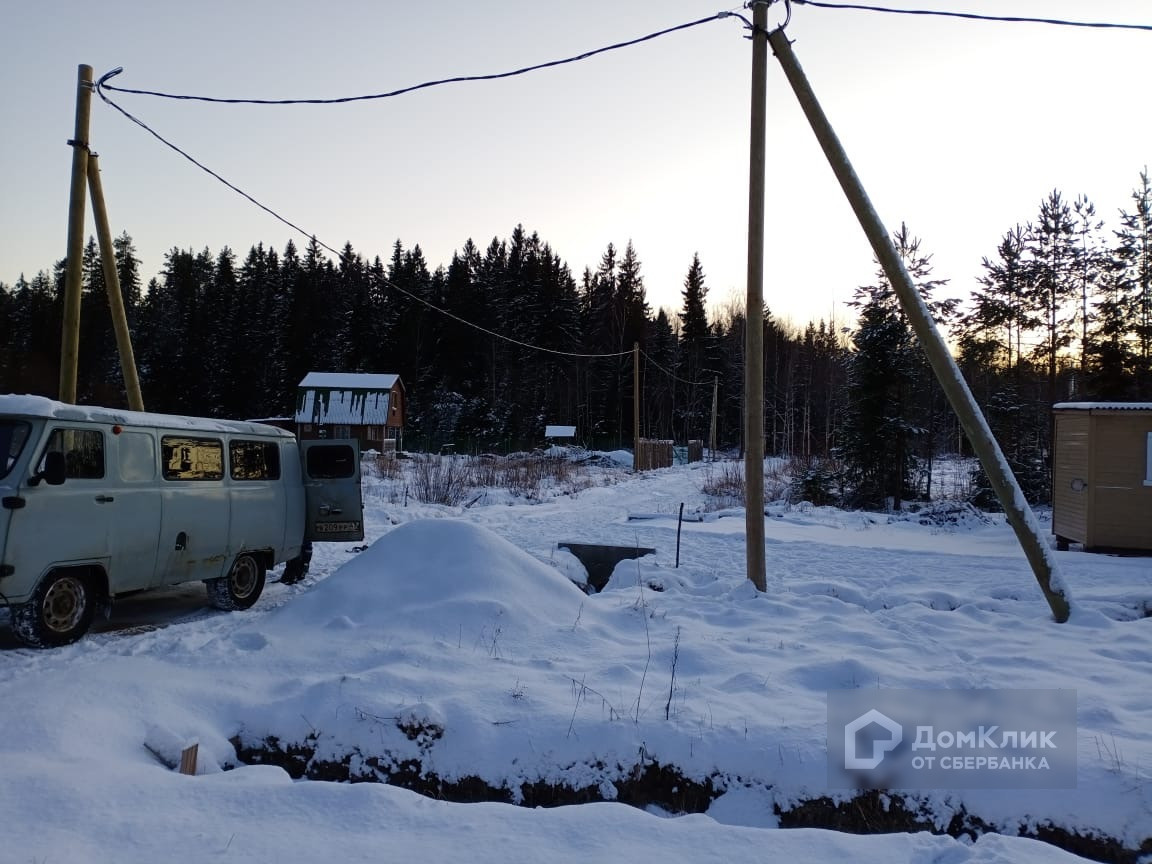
(1062, 311)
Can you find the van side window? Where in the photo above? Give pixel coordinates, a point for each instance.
(187, 458)
(254, 460)
(137, 457)
(13, 434)
(333, 462)
(83, 451)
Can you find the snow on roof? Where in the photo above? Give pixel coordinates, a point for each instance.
(1102, 406)
(349, 380)
(39, 406)
(559, 431)
(346, 407)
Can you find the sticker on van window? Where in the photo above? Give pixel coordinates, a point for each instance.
(336, 527)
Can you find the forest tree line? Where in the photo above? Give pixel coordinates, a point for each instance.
(1062, 311)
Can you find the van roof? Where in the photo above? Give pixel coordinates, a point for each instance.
(39, 406)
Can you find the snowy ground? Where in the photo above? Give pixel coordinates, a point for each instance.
(460, 623)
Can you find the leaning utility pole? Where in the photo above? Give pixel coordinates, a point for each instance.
(754, 313)
(86, 169)
(70, 335)
(1020, 515)
(112, 285)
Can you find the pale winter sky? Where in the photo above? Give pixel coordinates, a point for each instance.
(959, 128)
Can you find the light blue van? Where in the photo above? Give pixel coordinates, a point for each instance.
(96, 503)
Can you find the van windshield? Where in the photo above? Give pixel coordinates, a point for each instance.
(13, 437)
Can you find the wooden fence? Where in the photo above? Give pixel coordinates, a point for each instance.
(653, 453)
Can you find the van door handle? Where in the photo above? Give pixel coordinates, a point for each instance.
(327, 510)
(104, 499)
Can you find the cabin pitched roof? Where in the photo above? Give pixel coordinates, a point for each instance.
(345, 398)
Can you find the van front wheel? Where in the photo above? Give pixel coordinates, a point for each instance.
(59, 613)
(241, 587)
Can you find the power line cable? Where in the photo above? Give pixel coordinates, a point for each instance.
(1014, 19)
(438, 82)
(455, 317)
(100, 86)
(671, 374)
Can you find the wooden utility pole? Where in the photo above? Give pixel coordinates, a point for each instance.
(70, 335)
(112, 284)
(1020, 515)
(754, 313)
(636, 406)
(715, 405)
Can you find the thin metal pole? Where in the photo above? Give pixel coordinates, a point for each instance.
(70, 332)
(112, 284)
(679, 524)
(754, 334)
(712, 430)
(1020, 515)
(636, 406)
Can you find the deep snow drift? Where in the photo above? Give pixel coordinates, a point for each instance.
(456, 639)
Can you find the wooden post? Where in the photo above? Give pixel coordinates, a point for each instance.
(754, 315)
(1020, 515)
(112, 284)
(636, 405)
(188, 758)
(70, 332)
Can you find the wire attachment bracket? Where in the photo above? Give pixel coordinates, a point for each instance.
(756, 31)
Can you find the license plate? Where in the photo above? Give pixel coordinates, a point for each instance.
(336, 527)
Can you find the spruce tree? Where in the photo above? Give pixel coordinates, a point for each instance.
(1051, 244)
(1133, 257)
(696, 350)
(888, 434)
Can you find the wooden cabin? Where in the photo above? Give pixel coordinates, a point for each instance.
(1102, 475)
(365, 406)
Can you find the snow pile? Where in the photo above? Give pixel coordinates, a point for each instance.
(456, 648)
(436, 574)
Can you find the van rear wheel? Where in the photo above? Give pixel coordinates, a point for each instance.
(241, 587)
(59, 613)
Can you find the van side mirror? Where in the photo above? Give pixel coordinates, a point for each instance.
(55, 470)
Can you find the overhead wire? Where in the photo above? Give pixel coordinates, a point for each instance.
(974, 16)
(102, 85)
(671, 374)
(718, 16)
(474, 326)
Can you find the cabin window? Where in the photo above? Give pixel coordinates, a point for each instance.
(342, 432)
(83, 451)
(1148, 463)
(187, 458)
(254, 460)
